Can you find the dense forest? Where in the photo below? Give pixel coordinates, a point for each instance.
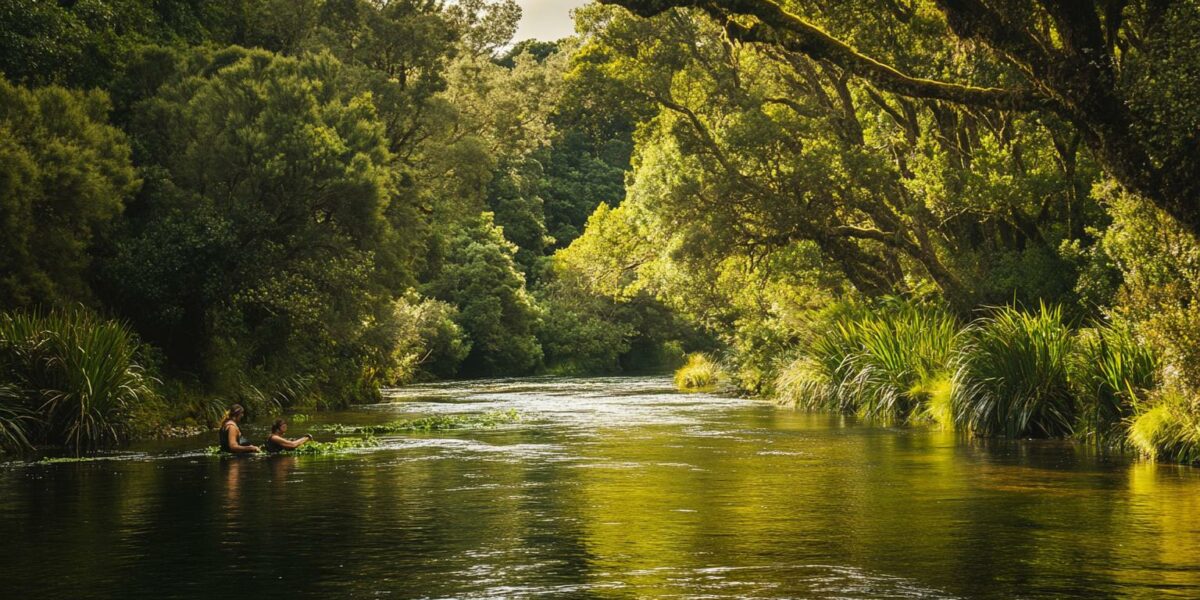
(980, 214)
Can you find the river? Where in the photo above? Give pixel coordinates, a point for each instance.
(607, 488)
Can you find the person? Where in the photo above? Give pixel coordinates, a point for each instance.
(231, 438)
(277, 443)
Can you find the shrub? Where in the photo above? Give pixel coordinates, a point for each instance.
(1012, 378)
(1112, 369)
(813, 379)
(700, 372)
(80, 375)
(1168, 428)
(885, 362)
(904, 352)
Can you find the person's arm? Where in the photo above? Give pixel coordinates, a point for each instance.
(233, 433)
(289, 444)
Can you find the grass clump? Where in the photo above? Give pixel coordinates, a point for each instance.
(700, 372)
(74, 379)
(1013, 377)
(888, 362)
(435, 423)
(1168, 428)
(1111, 373)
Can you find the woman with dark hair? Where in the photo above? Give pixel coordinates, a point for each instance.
(277, 443)
(231, 434)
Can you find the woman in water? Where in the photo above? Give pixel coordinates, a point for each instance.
(277, 443)
(231, 434)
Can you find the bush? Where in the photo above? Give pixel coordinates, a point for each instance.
(1111, 371)
(904, 354)
(1168, 428)
(78, 373)
(890, 362)
(700, 372)
(814, 378)
(1013, 376)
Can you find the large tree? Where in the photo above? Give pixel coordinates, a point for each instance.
(1122, 72)
(65, 175)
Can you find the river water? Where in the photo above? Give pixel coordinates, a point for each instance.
(608, 488)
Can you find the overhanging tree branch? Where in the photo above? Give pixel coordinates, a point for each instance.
(780, 28)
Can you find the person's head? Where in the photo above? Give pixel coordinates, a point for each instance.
(236, 412)
(280, 427)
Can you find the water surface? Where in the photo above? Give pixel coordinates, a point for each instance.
(610, 488)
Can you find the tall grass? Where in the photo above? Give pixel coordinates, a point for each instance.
(902, 362)
(889, 363)
(1167, 427)
(1112, 373)
(1013, 376)
(701, 371)
(15, 420)
(78, 373)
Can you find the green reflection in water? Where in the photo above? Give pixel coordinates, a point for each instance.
(617, 488)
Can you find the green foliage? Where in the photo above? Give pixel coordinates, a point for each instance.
(486, 420)
(888, 362)
(1013, 376)
(16, 419)
(496, 311)
(1167, 428)
(431, 340)
(79, 374)
(270, 197)
(700, 372)
(1112, 372)
(65, 175)
(903, 356)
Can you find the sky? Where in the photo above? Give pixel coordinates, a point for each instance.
(546, 19)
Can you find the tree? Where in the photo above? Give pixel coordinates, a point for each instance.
(480, 277)
(1112, 69)
(65, 175)
(254, 249)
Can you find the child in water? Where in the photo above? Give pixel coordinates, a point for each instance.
(277, 443)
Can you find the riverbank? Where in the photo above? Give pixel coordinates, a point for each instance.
(1010, 373)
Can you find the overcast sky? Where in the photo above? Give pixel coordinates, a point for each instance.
(546, 19)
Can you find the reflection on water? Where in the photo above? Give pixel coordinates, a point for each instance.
(612, 488)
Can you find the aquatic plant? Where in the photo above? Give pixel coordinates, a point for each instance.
(334, 447)
(1167, 427)
(78, 373)
(701, 371)
(1013, 377)
(1111, 373)
(434, 423)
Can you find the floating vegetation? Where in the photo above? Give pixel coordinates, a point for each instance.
(314, 448)
(299, 418)
(435, 423)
